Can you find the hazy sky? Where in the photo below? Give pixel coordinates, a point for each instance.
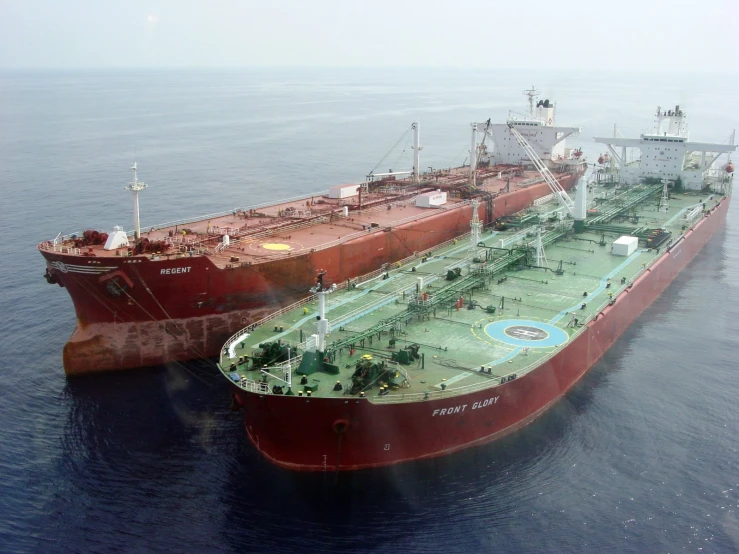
(623, 34)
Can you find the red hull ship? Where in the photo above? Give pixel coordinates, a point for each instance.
(178, 291)
(304, 434)
(435, 357)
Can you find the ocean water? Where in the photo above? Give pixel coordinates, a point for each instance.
(641, 456)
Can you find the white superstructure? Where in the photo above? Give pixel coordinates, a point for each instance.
(538, 127)
(667, 153)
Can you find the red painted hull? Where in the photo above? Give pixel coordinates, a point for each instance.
(190, 311)
(303, 433)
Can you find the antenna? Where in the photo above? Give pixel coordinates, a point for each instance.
(475, 226)
(322, 290)
(416, 152)
(531, 93)
(135, 187)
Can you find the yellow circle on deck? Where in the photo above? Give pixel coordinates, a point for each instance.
(275, 246)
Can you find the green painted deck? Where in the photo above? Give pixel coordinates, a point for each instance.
(534, 308)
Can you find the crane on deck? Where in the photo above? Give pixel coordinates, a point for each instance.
(478, 151)
(559, 193)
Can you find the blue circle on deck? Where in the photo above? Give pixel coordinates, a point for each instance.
(524, 332)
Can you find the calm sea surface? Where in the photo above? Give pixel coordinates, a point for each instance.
(640, 457)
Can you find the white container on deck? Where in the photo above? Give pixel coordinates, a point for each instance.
(431, 199)
(343, 191)
(117, 239)
(624, 246)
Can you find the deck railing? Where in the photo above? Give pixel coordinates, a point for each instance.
(208, 216)
(60, 249)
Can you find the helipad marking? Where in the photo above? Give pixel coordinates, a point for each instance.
(523, 332)
(275, 246)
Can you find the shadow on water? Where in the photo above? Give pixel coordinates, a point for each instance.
(136, 445)
(115, 415)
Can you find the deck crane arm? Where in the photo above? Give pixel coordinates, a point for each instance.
(478, 150)
(481, 147)
(557, 190)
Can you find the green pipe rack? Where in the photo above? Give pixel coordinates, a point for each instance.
(479, 275)
(625, 202)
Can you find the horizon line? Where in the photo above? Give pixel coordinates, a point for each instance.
(660, 70)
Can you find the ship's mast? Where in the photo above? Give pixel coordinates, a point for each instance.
(531, 93)
(476, 151)
(475, 226)
(135, 187)
(322, 291)
(671, 122)
(473, 155)
(416, 151)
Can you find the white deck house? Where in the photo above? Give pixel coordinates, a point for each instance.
(538, 128)
(667, 153)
